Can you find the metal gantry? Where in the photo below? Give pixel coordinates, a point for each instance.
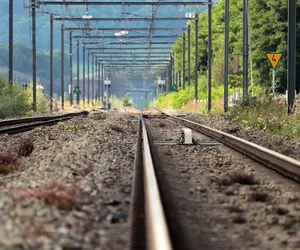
(154, 57)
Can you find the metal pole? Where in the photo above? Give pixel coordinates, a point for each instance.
(291, 56)
(62, 67)
(88, 73)
(96, 87)
(183, 60)
(83, 73)
(209, 53)
(99, 83)
(189, 55)
(173, 68)
(33, 55)
(170, 76)
(93, 80)
(51, 62)
(226, 56)
(273, 82)
(179, 79)
(245, 50)
(102, 83)
(11, 41)
(71, 70)
(166, 79)
(196, 57)
(77, 95)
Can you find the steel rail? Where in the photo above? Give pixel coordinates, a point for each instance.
(38, 119)
(157, 229)
(36, 122)
(285, 165)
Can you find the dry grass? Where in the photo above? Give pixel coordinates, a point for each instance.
(25, 148)
(161, 125)
(237, 177)
(88, 170)
(54, 194)
(41, 230)
(239, 219)
(282, 211)
(9, 163)
(116, 127)
(258, 196)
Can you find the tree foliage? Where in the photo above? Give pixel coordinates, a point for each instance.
(268, 21)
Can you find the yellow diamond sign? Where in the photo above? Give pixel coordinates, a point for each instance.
(274, 58)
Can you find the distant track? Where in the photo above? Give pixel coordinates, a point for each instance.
(31, 123)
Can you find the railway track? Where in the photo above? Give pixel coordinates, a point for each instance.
(22, 125)
(154, 221)
(280, 163)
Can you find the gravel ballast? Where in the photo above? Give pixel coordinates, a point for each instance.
(73, 190)
(286, 145)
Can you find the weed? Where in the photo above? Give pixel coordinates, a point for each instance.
(99, 117)
(258, 196)
(234, 209)
(116, 127)
(239, 219)
(25, 148)
(282, 211)
(41, 230)
(236, 177)
(9, 163)
(161, 125)
(55, 194)
(88, 170)
(71, 127)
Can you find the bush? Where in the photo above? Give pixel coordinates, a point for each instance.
(17, 101)
(127, 100)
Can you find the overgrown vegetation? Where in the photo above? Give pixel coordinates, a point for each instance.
(15, 100)
(267, 115)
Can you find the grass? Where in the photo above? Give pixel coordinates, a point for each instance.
(55, 194)
(71, 127)
(268, 116)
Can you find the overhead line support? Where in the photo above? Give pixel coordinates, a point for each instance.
(127, 3)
